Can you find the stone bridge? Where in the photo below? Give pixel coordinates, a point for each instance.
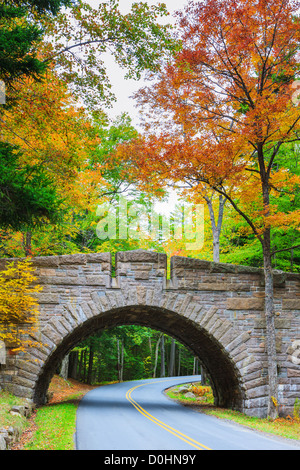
(216, 310)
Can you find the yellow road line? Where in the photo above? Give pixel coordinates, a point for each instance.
(163, 425)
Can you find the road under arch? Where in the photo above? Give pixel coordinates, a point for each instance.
(224, 377)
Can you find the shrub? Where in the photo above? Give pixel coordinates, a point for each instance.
(297, 409)
(18, 304)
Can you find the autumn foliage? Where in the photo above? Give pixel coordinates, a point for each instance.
(219, 114)
(221, 123)
(18, 305)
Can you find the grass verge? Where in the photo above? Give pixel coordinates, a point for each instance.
(284, 427)
(53, 426)
(7, 401)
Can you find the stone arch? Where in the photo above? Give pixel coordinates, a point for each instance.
(216, 309)
(221, 348)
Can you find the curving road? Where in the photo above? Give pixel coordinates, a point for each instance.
(138, 416)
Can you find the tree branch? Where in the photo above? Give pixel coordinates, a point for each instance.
(285, 249)
(85, 43)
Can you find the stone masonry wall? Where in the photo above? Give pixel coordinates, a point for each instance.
(215, 309)
(240, 290)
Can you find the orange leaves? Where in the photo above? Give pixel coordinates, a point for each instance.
(46, 124)
(200, 390)
(238, 59)
(170, 157)
(220, 112)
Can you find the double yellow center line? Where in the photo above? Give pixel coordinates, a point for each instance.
(163, 425)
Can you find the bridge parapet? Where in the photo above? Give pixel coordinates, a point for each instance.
(193, 273)
(79, 269)
(141, 266)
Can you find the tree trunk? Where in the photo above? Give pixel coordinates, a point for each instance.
(73, 363)
(99, 367)
(179, 362)
(27, 236)
(216, 227)
(120, 360)
(156, 357)
(162, 355)
(203, 375)
(195, 368)
(269, 291)
(80, 365)
(172, 359)
(90, 365)
(270, 328)
(64, 367)
(84, 366)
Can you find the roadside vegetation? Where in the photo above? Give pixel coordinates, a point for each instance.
(8, 419)
(202, 401)
(52, 427)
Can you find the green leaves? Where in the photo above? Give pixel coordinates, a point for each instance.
(81, 37)
(18, 45)
(141, 354)
(40, 6)
(27, 196)
(20, 37)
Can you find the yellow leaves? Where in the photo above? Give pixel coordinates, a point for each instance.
(18, 304)
(51, 130)
(284, 179)
(284, 220)
(275, 402)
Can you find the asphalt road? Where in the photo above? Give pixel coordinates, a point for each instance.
(138, 416)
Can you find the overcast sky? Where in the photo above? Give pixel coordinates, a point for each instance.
(122, 88)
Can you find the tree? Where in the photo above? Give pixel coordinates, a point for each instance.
(81, 36)
(37, 36)
(54, 139)
(238, 240)
(162, 352)
(27, 195)
(50, 128)
(216, 223)
(40, 6)
(171, 369)
(156, 354)
(21, 35)
(42, 118)
(231, 89)
(116, 174)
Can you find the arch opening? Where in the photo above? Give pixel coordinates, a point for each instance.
(223, 374)
(129, 352)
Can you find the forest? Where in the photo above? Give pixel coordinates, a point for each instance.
(220, 126)
(129, 352)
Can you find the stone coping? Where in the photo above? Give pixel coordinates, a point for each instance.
(178, 264)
